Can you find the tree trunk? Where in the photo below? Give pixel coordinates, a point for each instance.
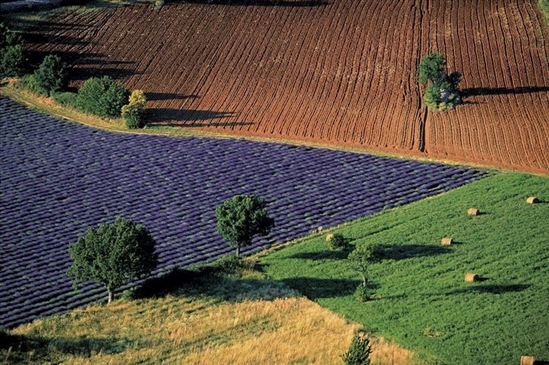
(364, 281)
(237, 251)
(110, 295)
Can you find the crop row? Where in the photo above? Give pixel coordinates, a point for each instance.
(59, 179)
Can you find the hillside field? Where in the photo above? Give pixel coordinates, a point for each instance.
(421, 300)
(339, 73)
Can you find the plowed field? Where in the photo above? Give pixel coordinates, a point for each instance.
(340, 73)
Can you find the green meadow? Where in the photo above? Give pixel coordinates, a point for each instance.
(421, 300)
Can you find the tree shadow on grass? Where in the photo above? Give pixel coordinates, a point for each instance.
(323, 255)
(221, 283)
(491, 289)
(23, 348)
(169, 283)
(402, 252)
(315, 288)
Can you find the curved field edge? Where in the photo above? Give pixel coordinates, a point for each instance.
(49, 107)
(421, 300)
(321, 74)
(60, 178)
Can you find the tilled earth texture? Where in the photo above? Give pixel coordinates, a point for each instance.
(340, 73)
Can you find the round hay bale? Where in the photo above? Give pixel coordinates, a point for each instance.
(527, 360)
(532, 200)
(329, 237)
(446, 241)
(472, 211)
(471, 277)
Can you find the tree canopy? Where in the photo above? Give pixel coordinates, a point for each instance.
(442, 89)
(113, 254)
(242, 217)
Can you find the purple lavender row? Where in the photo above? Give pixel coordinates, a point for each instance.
(58, 179)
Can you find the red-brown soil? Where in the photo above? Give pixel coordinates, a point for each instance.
(340, 73)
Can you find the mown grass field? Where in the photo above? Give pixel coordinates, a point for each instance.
(421, 300)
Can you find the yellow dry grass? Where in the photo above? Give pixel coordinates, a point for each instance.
(182, 330)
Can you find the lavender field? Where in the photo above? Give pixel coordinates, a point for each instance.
(59, 178)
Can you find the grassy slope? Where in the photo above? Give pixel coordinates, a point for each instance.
(213, 319)
(421, 299)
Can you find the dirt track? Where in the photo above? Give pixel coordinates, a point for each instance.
(341, 74)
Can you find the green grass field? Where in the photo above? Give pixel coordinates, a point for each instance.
(421, 300)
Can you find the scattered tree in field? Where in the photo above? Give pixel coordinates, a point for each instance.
(134, 111)
(102, 97)
(442, 89)
(360, 259)
(113, 255)
(50, 77)
(359, 351)
(242, 217)
(338, 242)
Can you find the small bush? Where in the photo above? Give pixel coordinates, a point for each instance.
(134, 112)
(66, 99)
(102, 97)
(338, 242)
(359, 351)
(134, 120)
(158, 4)
(12, 61)
(50, 76)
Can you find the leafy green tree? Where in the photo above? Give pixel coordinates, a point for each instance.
(113, 255)
(359, 260)
(442, 89)
(12, 58)
(359, 351)
(242, 217)
(8, 38)
(12, 61)
(102, 97)
(50, 77)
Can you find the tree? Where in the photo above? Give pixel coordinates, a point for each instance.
(242, 217)
(113, 255)
(359, 351)
(360, 259)
(102, 97)
(12, 61)
(12, 58)
(50, 77)
(442, 89)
